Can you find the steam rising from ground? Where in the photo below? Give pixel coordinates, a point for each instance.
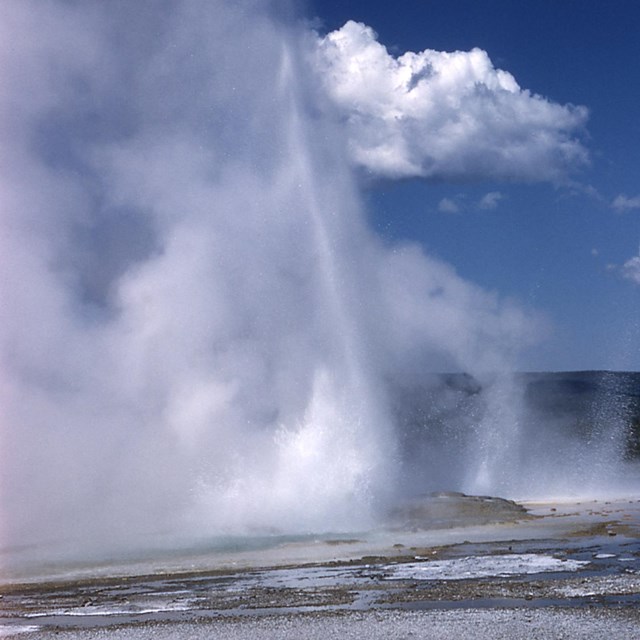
(196, 324)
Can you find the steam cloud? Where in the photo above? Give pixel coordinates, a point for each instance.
(195, 321)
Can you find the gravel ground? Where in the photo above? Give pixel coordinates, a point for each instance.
(574, 624)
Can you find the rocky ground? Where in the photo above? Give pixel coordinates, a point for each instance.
(558, 571)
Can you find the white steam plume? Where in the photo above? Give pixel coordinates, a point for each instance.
(196, 325)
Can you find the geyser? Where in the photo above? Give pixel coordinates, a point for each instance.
(198, 329)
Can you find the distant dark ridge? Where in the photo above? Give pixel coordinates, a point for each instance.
(590, 397)
(583, 403)
(577, 371)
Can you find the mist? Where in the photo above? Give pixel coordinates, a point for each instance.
(198, 327)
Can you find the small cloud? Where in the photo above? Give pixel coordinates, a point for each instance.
(490, 200)
(447, 205)
(595, 252)
(588, 190)
(459, 203)
(623, 203)
(631, 269)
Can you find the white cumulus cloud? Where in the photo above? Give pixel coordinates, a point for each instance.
(445, 115)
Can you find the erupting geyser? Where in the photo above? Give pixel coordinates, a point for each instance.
(197, 328)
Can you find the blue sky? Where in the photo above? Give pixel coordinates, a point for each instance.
(558, 249)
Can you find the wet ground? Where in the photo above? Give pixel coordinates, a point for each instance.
(559, 570)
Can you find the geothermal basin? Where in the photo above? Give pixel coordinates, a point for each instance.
(444, 565)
